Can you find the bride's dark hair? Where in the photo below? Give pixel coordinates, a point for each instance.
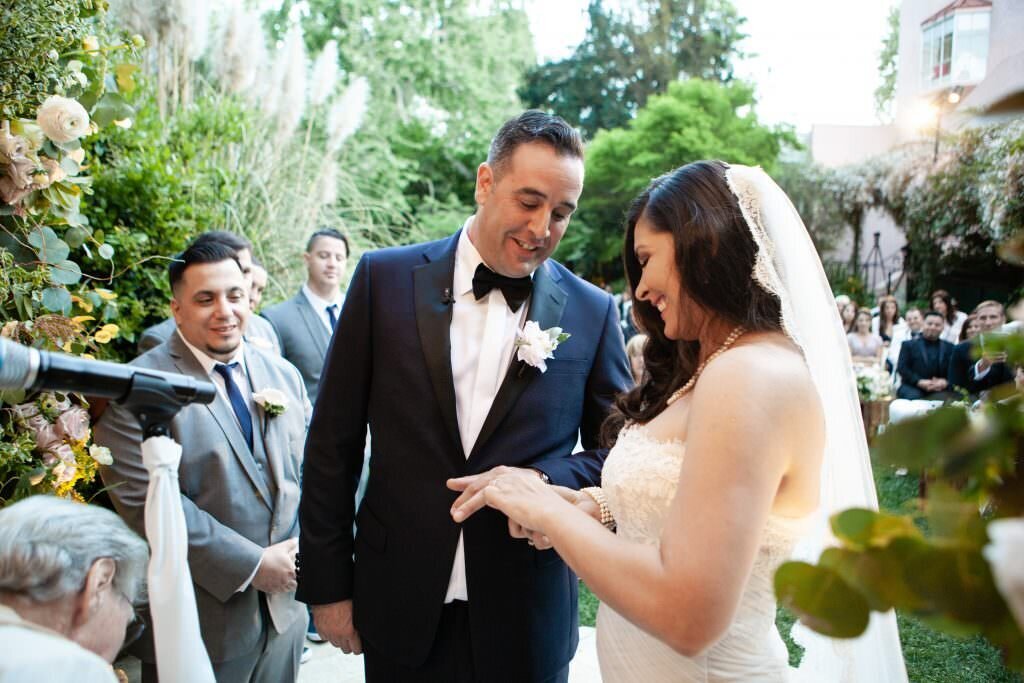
(715, 254)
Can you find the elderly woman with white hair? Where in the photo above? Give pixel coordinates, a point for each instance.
(69, 577)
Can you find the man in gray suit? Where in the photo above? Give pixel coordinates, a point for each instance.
(258, 331)
(239, 472)
(305, 323)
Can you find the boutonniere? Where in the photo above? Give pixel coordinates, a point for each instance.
(534, 345)
(272, 401)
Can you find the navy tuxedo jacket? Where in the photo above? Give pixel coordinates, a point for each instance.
(389, 367)
(961, 371)
(913, 366)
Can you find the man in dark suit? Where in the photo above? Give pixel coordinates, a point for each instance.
(989, 371)
(305, 323)
(239, 472)
(923, 363)
(425, 354)
(258, 331)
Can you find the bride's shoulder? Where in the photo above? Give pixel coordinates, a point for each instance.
(763, 365)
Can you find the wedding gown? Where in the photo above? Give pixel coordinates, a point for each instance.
(639, 479)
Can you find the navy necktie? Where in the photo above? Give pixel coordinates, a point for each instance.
(331, 314)
(238, 403)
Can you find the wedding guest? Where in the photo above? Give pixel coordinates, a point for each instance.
(888, 319)
(866, 347)
(970, 329)
(258, 331)
(69, 576)
(306, 322)
(848, 314)
(923, 363)
(841, 301)
(239, 472)
(626, 315)
(991, 370)
(909, 328)
(259, 284)
(635, 354)
(953, 320)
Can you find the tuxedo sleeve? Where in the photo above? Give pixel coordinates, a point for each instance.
(609, 376)
(960, 368)
(333, 458)
(905, 366)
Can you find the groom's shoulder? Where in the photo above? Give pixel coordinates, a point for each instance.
(574, 284)
(406, 254)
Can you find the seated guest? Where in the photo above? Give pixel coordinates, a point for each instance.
(69, 576)
(888, 319)
(239, 472)
(909, 329)
(259, 284)
(970, 329)
(258, 331)
(866, 348)
(635, 354)
(848, 314)
(953, 320)
(923, 362)
(991, 369)
(305, 323)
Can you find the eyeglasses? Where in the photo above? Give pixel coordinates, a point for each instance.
(135, 627)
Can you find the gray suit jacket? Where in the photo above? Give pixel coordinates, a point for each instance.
(258, 332)
(304, 338)
(232, 510)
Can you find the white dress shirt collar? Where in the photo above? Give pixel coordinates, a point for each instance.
(467, 259)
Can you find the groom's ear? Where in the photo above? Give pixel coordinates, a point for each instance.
(484, 182)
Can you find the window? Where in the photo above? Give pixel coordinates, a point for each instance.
(954, 49)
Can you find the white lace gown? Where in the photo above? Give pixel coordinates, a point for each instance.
(639, 479)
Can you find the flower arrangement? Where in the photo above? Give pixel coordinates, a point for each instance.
(873, 383)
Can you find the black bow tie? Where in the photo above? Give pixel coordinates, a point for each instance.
(515, 289)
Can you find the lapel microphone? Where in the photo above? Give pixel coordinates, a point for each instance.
(446, 297)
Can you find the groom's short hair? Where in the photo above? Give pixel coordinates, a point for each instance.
(534, 126)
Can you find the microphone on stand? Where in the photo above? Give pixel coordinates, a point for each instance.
(22, 367)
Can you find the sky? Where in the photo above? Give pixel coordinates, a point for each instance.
(812, 61)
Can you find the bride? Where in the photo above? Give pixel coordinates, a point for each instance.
(742, 438)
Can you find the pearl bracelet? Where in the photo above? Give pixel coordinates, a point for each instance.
(597, 495)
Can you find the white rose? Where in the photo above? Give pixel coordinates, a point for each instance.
(534, 345)
(101, 454)
(62, 119)
(1005, 553)
(272, 401)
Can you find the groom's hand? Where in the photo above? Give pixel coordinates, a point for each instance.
(472, 488)
(334, 623)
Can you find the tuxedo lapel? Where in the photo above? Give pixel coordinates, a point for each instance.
(187, 364)
(259, 379)
(432, 289)
(546, 306)
(313, 323)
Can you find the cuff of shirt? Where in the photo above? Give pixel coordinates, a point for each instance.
(245, 584)
(980, 374)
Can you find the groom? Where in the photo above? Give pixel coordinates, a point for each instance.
(424, 353)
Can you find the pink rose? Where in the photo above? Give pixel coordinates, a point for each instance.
(74, 424)
(64, 452)
(26, 410)
(49, 438)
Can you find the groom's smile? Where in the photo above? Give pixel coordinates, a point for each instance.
(524, 204)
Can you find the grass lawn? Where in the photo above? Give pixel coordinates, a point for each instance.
(931, 657)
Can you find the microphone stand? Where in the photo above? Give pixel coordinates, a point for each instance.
(180, 652)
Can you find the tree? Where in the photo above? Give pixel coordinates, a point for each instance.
(694, 120)
(888, 66)
(625, 59)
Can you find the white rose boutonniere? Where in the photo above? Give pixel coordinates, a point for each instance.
(534, 345)
(272, 401)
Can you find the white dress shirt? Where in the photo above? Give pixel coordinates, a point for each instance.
(482, 339)
(320, 306)
(241, 378)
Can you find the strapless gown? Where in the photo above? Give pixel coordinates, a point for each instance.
(639, 479)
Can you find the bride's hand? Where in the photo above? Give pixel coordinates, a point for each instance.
(526, 500)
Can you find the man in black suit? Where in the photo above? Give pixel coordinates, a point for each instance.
(991, 369)
(923, 363)
(425, 353)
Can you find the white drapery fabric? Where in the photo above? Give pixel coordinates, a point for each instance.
(180, 653)
(788, 265)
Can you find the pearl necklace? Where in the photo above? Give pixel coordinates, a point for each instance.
(729, 341)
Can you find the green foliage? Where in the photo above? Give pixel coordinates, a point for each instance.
(625, 58)
(33, 36)
(804, 182)
(929, 562)
(694, 120)
(443, 78)
(888, 65)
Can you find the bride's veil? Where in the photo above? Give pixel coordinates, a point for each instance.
(788, 265)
